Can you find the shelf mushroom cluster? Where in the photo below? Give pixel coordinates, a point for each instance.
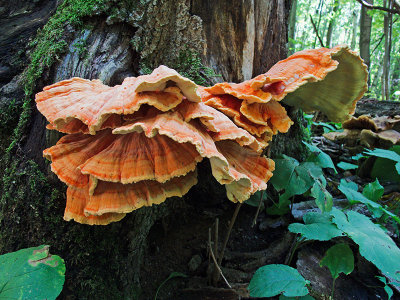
(138, 143)
(327, 80)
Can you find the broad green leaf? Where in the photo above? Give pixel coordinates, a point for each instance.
(374, 244)
(357, 156)
(349, 184)
(339, 259)
(284, 169)
(373, 191)
(31, 273)
(355, 197)
(307, 297)
(319, 157)
(272, 280)
(347, 166)
(316, 226)
(388, 154)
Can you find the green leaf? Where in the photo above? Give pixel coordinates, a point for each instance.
(373, 191)
(272, 280)
(387, 288)
(348, 184)
(254, 200)
(347, 166)
(316, 226)
(355, 197)
(307, 297)
(339, 259)
(319, 157)
(31, 273)
(374, 244)
(388, 154)
(281, 208)
(323, 198)
(284, 169)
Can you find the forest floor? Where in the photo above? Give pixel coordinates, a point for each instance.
(181, 250)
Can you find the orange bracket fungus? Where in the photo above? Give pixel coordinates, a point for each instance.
(138, 143)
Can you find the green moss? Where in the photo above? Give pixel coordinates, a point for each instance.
(188, 64)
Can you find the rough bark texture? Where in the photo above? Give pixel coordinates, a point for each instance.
(238, 39)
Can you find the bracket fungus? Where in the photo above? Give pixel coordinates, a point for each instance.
(138, 143)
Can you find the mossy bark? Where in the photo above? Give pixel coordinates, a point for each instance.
(116, 40)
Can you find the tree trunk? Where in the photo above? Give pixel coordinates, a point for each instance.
(238, 39)
(331, 24)
(387, 29)
(354, 31)
(365, 37)
(292, 27)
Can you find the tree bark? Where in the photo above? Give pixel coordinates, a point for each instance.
(238, 39)
(292, 27)
(387, 29)
(365, 37)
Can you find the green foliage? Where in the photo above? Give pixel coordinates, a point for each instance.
(317, 227)
(371, 193)
(307, 297)
(339, 259)
(387, 165)
(272, 280)
(387, 288)
(31, 273)
(374, 244)
(171, 276)
(294, 178)
(347, 166)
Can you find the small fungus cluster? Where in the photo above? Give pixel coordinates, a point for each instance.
(138, 143)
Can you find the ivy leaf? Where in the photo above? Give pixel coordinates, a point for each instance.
(272, 280)
(31, 273)
(339, 259)
(373, 191)
(316, 226)
(374, 244)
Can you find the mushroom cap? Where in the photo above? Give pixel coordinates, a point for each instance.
(257, 118)
(158, 80)
(362, 122)
(73, 150)
(328, 80)
(77, 199)
(247, 168)
(133, 157)
(110, 197)
(74, 104)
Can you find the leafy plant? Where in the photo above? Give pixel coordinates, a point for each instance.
(31, 273)
(339, 259)
(387, 165)
(371, 193)
(294, 178)
(387, 288)
(272, 280)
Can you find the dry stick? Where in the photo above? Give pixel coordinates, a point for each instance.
(316, 32)
(215, 260)
(215, 276)
(370, 6)
(258, 208)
